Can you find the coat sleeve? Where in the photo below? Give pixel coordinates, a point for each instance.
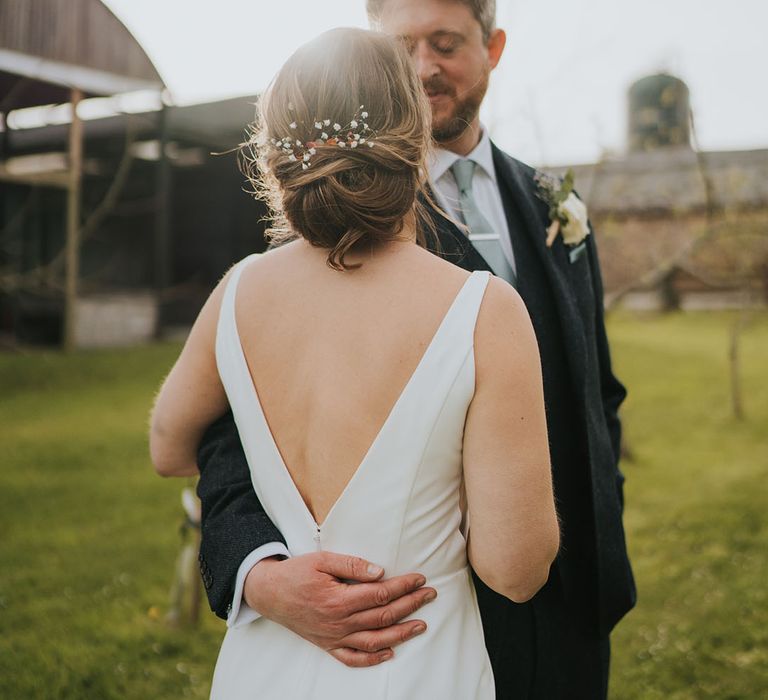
(233, 520)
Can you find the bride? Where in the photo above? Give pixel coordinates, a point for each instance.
(373, 384)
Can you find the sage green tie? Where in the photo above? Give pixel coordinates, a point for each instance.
(481, 233)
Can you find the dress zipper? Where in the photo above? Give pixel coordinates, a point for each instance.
(317, 539)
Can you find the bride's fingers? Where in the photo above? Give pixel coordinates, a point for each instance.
(361, 659)
(380, 640)
(382, 616)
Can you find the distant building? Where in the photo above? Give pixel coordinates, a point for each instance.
(677, 227)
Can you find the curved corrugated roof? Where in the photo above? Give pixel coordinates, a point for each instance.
(49, 46)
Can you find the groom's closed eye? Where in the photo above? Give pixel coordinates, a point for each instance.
(442, 42)
(446, 43)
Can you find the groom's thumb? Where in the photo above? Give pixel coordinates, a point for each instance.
(345, 566)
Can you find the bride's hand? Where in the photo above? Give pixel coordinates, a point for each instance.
(356, 623)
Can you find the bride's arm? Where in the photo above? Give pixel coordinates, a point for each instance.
(513, 529)
(191, 396)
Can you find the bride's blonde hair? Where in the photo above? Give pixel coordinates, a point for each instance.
(349, 198)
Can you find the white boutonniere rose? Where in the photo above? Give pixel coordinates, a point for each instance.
(567, 213)
(574, 213)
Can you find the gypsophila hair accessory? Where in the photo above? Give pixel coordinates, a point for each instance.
(354, 134)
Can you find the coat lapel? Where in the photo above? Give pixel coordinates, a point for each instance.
(520, 186)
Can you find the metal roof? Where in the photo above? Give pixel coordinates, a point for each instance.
(48, 47)
(671, 180)
(216, 125)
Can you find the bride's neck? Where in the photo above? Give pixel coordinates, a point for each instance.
(405, 239)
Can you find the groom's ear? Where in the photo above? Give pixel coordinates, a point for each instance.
(496, 43)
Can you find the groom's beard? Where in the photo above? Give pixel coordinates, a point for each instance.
(448, 127)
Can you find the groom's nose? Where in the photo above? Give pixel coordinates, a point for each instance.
(425, 61)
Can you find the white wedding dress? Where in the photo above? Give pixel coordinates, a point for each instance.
(400, 510)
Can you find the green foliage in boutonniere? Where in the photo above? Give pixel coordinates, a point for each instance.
(567, 213)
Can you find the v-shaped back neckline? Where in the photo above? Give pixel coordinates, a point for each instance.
(356, 474)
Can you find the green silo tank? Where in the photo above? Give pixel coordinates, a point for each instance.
(659, 113)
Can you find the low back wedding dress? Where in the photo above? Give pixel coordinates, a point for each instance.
(400, 509)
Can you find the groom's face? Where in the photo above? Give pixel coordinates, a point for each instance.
(452, 58)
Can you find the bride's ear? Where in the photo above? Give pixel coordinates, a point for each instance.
(496, 43)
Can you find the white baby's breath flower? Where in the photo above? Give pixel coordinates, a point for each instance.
(353, 124)
(318, 125)
(353, 144)
(327, 122)
(313, 151)
(337, 126)
(306, 157)
(293, 125)
(324, 136)
(304, 166)
(342, 144)
(292, 157)
(362, 139)
(364, 115)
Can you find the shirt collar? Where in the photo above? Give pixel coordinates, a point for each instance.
(442, 159)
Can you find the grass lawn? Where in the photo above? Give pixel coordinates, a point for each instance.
(89, 535)
(696, 511)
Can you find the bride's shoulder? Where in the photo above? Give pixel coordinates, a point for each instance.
(503, 328)
(265, 266)
(502, 301)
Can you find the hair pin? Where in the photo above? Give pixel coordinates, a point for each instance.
(356, 133)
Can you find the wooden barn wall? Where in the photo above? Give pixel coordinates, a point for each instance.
(214, 223)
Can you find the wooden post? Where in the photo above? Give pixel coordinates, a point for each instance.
(162, 222)
(734, 357)
(4, 149)
(72, 271)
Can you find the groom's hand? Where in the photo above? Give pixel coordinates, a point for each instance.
(356, 623)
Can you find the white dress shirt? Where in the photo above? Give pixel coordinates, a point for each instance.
(240, 613)
(485, 190)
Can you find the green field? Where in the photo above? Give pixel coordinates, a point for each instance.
(88, 533)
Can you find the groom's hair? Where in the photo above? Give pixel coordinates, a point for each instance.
(484, 12)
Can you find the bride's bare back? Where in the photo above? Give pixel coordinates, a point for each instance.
(330, 352)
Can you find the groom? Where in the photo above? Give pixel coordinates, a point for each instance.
(555, 645)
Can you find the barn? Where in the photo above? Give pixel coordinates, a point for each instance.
(114, 224)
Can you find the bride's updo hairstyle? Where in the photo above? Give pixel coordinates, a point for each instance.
(342, 198)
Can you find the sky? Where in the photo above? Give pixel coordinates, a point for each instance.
(558, 95)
